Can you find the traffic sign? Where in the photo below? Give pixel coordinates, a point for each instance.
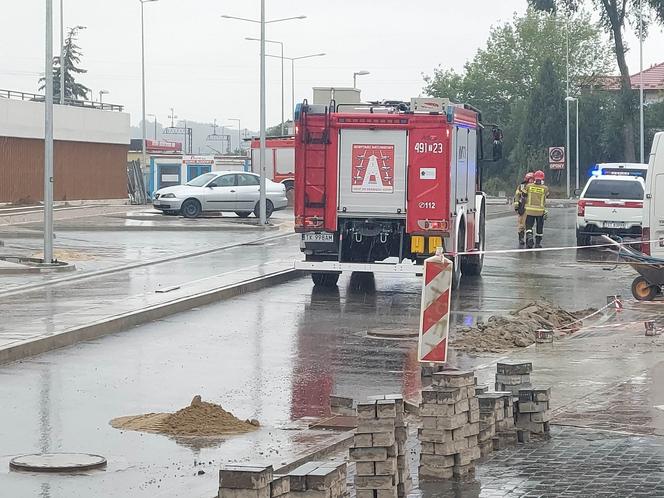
(557, 157)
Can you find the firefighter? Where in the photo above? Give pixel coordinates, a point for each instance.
(536, 194)
(520, 206)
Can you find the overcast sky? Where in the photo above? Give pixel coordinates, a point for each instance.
(201, 65)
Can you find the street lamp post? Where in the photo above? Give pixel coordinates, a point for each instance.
(293, 59)
(101, 94)
(282, 76)
(143, 127)
(641, 118)
(262, 151)
(576, 101)
(359, 73)
(48, 138)
(239, 133)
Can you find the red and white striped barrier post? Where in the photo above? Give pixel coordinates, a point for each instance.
(435, 309)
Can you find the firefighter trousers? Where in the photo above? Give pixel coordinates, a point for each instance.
(521, 223)
(538, 223)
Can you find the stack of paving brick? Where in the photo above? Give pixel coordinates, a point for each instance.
(246, 481)
(512, 377)
(405, 482)
(318, 480)
(489, 405)
(450, 426)
(379, 449)
(340, 405)
(533, 410)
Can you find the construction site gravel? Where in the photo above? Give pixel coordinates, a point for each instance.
(519, 328)
(200, 418)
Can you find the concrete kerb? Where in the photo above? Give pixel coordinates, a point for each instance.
(122, 322)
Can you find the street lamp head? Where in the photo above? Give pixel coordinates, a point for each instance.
(571, 99)
(361, 73)
(301, 17)
(103, 92)
(147, 1)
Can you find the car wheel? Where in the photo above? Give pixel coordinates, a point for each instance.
(269, 209)
(191, 208)
(243, 214)
(325, 279)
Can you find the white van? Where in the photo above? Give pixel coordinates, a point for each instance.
(653, 203)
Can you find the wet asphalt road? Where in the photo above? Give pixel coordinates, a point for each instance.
(274, 355)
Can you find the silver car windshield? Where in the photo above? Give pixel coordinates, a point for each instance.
(200, 181)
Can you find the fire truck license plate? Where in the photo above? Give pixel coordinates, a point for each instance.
(319, 237)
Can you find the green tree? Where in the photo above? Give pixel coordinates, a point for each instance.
(506, 69)
(501, 77)
(72, 57)
(543, 124)
(614, 15)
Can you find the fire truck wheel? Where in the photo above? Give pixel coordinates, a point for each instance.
(325, 279)
(243, 214)
(456, 271)
(269, 209)
(472, 265)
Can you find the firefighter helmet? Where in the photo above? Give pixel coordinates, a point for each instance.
(538, 175)
(529, 177)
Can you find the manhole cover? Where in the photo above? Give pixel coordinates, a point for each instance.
(57, 462)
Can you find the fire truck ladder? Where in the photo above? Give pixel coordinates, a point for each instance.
(319, 140)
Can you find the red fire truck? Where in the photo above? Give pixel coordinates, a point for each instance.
(378, 184)
(280, 159)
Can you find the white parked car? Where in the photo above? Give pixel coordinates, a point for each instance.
(225, 191)
(610, 205)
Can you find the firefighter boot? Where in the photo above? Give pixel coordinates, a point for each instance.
(538, 242)
(529, 239)
(521, 240)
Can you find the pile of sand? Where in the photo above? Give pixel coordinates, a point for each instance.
(502, 333)
(200, 418)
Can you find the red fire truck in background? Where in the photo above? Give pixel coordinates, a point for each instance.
(377, 184)
(279, 161)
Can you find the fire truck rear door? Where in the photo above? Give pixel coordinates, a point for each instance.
(372, 172)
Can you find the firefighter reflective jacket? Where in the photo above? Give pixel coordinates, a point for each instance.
(536, 195)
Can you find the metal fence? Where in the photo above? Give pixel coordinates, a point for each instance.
(136, 183)
(34, 97)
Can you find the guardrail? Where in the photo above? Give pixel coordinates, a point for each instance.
(34, 97)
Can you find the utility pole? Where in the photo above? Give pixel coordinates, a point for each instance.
(62, 53)
(567, 144)
(48, 138)
(262, 154)
(143, 127)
